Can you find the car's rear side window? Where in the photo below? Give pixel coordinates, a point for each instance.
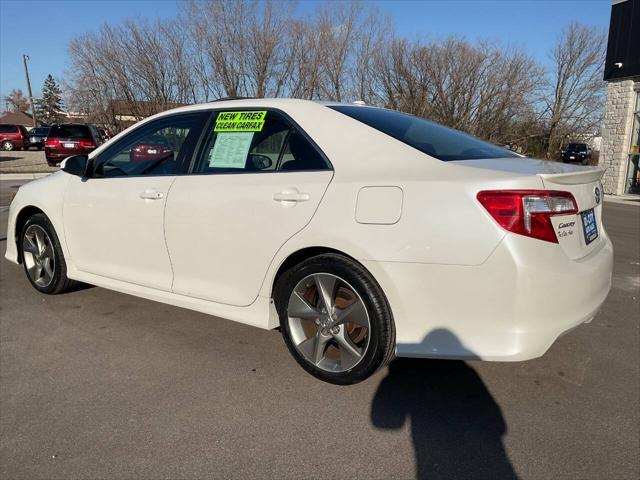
(8, 129)
(431, 138)
(251, 141)
(70, 131)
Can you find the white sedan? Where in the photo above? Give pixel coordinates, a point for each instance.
(363, 233)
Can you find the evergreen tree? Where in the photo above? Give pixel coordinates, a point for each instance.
(49, 108)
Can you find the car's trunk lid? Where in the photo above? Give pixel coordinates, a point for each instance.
(575, 233)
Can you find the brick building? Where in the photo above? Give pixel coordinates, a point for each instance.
(620, 152)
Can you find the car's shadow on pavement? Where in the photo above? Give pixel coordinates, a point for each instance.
(456, 425)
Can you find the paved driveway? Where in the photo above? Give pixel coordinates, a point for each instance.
(99, 384)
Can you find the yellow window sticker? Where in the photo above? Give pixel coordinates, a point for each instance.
(249, 121)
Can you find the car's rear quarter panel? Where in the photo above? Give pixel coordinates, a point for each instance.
(446, 264)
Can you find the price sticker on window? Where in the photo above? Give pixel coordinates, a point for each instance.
(230, 150)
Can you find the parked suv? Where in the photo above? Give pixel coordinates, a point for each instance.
(69, 139)
(576, 153)
(105, 133)
(37, 136)
(13, 137)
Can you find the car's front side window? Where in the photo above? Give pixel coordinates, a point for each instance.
(160, 147)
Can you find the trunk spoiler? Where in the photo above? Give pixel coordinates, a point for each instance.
(573, 178)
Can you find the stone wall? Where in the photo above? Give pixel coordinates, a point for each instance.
(616, 133)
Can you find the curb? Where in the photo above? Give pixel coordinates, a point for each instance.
(635, 202)
(23, 176)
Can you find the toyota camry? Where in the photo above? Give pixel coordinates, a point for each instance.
(361, 233)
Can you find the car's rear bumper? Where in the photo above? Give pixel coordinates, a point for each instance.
(512, 307)
(55, 157)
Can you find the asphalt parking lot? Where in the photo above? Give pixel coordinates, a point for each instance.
(20, 161)
(97, 384)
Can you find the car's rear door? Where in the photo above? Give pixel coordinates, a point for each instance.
(256, 181)
(114, 220)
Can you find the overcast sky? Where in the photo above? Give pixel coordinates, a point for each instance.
(42, 29)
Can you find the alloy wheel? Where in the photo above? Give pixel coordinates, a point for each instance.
(329, 322)
(38, 255)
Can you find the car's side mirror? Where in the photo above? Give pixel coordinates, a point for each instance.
(75, 165)
(259, 162)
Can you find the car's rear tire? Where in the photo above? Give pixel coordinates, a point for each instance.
(6, 145)
(42, 256)
(346, 342)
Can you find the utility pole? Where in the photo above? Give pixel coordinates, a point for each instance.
(25, 57)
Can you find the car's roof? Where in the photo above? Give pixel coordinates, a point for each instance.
(256, 102)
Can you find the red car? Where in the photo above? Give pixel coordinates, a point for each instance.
(151, 149)
(13, 137)
(105, 133)
(70, 139)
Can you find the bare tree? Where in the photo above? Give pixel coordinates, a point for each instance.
(242, 46)
(305, 78)
(475, 88)
(143, 64)
(573, 102)
(336, 28)
(371, 36)
(345, 50)
(16, 101)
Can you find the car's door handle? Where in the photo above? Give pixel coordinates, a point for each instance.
(291, 197)
(151, 195)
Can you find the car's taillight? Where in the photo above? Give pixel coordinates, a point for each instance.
(528, 212)
(87, 144)
(52, 142)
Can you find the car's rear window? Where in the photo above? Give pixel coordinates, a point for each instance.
(69, 131)
(8, 129)
(577, 146)
(431, 138)
(40, 131)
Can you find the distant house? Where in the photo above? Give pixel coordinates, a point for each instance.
(17, 118)
(120, 114)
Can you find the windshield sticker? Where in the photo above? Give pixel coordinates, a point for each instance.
(230, 150)
(240, 121)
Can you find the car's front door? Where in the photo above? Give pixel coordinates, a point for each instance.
(114, 220)
(256, 182)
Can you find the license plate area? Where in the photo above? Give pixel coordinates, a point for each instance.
(589, 226)
(69, 145)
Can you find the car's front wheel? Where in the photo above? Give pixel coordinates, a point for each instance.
(42, 256)
(335, 319)
(6, 145)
